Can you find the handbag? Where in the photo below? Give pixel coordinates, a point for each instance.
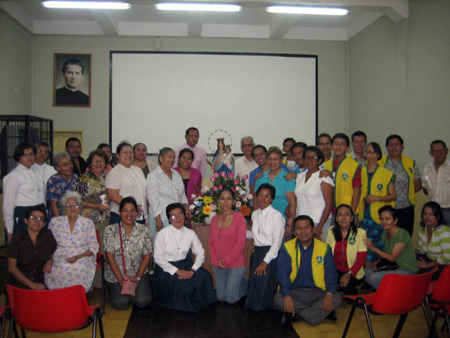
(130, 283)
(385, 265)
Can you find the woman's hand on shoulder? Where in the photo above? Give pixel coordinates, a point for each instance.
(290, 176)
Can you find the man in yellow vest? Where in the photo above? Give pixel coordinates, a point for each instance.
(307, 276)
(346, 173)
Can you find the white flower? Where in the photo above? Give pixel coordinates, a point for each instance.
(238, 204)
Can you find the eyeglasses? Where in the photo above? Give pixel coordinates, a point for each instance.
(68, 164)
(40, 151)
(37, 218)
(179, 215)
(264, 196)
(73, 205)
(311, 158)
(28, 154)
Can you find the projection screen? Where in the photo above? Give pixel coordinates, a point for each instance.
(156, 96)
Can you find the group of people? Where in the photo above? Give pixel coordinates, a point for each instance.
(323, 221)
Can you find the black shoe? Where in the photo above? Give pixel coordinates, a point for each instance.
(332, 316)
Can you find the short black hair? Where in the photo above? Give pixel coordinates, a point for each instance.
(390, 209)
(20, 150)
(269, 187)
(302, 145)
(126, 200)
(72, 61)
(260, 146)
(72, 139)
(192, 128)
(318, 152)
(304, 218)
(393, 137)
(233, 194)
(337, 227)
(186, 150)
(437, 142)
(103, 145)
(40, 208)
(174, 206)
(323, 135)
(359, 133)
(341, 136)
(288, 139)
(376, 147)
(99, 153)
(121, 145)
(138, 144)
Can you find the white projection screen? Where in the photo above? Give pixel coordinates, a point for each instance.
(156, 96)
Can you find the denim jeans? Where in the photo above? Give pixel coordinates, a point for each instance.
(375, 278)
(231, 284)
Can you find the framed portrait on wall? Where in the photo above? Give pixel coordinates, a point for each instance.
(72, 80)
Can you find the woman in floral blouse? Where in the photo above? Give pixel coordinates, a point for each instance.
(137, 247)
(91, 186)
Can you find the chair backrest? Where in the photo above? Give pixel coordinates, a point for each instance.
(441, 292)
(49, 311)
(399, 294)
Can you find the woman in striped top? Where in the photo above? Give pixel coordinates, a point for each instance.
(434, 240)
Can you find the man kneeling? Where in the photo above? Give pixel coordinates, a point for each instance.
(307, 275)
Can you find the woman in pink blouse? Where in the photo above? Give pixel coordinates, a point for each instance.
(226, 245)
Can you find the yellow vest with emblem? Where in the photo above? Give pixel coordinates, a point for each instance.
(355, 244)
(343, 179)
(408, 166)
(317, 262)
(376, 186)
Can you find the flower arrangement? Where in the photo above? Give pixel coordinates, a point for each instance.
(207, 204)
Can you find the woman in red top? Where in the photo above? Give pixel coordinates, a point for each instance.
(348, 248)
(226, 245)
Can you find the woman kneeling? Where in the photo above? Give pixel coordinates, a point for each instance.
(180, 284)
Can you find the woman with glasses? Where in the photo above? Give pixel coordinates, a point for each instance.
(22, 188)
(179, 283)
(74, 261)
(57, 185)
(314, 193)
(30, 253)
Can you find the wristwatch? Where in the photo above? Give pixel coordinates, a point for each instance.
(350, 273)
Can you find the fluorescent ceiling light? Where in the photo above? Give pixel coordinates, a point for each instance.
(307, 10)
(86, 4)
(174, 6)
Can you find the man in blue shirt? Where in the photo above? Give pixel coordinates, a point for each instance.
(307, 276)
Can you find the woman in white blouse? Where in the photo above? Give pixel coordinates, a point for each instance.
(268, 231)
(164, 186)
(125, 180)
(22, 188)
(180, 284)
(314, 193)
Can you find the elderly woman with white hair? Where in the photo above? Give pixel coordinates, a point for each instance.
(75, 258)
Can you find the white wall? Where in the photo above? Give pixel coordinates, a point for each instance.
(15, 67)
(95, 120)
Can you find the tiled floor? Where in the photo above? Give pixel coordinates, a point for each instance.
(219, 320)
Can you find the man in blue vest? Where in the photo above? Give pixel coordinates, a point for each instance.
(307, 276)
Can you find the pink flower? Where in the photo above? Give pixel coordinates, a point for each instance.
(236, 181)
(215, 188)
(234, 189)
(220, 186)
(212, 178)
(213, 207)
(245, 177)
(250, 196)
(230, 175)
(222, 174)
(216, 174)
(238, 204)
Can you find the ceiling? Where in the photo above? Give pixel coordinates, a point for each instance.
(144, 20)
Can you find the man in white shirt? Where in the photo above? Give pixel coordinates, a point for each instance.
(192, 136)
(436, 178)
(245, 164)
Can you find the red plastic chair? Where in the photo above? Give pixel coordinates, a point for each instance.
(397, 295)
(440, 299)
(50, 311)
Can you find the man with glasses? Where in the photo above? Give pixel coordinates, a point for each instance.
(245, 164)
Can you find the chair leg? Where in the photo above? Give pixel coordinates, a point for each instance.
(432, 331)
(94, 324)
(427, 313)
(12, 327)
(100, 325)
(24, 335)
(5, 314)
(369, 323)
(400, 323)
(349, 320)
(102, 269)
